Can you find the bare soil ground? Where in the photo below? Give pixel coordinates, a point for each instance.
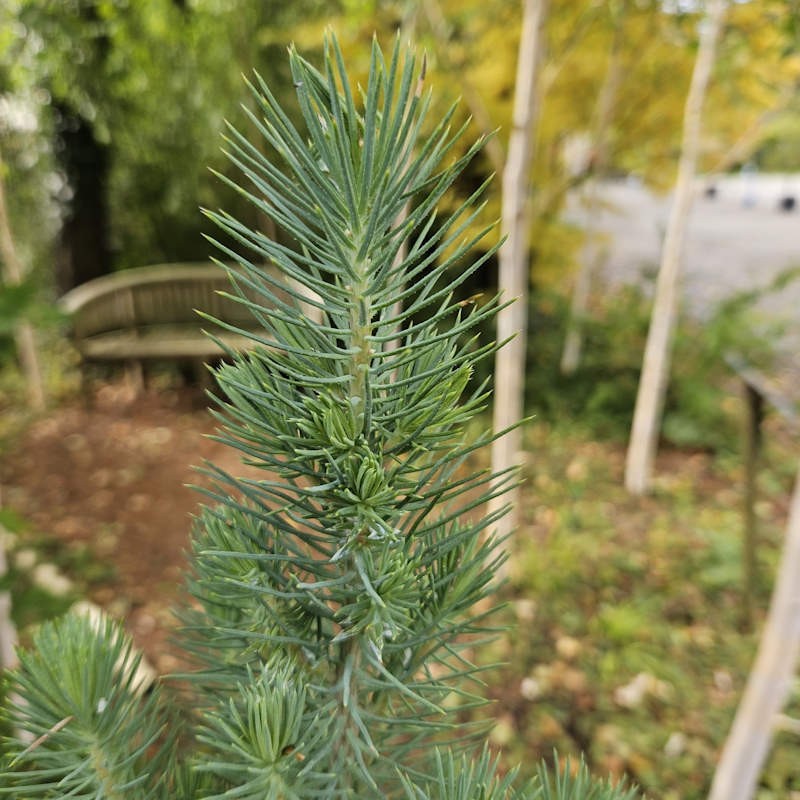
(111, 474)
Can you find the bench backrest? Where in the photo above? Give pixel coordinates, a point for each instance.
(142, 297)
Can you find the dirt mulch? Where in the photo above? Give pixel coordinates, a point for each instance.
(111, 475)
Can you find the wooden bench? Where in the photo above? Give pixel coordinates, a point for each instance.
(150, 313)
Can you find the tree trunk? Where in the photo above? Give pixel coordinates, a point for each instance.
(770, 681)
(29, 361)
(513, 279)
(656, 364)
(483, 119)
(749, 140)
(8, 633)
(24, 336)
(84, 251)
(606, 102)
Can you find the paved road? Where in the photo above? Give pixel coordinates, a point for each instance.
(737, 240)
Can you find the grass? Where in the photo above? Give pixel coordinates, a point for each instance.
(32, 602)
(628, 643)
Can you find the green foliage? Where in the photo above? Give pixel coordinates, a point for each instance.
(36, 600)
(361, 575)
(779, 149)
(23, 302)
(461, 779)
(628, 645)
(154, 81)
(601, 394)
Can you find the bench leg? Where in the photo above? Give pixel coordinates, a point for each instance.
(134, 376)
(202, 375)
(85, 384)
(754, 404)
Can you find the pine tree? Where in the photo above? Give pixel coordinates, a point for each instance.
(336, 595)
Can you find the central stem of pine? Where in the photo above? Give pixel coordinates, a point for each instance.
(360, 329)
(346, 744)
(360, 405)
(104, 773)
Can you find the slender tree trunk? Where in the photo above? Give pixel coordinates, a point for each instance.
(513, 279)
(8, 633)
(770, 681)
(606, 102)
(743, 147)
(24, 336)
(28, 356)
(656, 364)
(438, 25)
(581, 291)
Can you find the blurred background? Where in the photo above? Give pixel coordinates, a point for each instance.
(633, 645)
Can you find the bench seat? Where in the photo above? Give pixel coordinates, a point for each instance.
(158, 343)
(150, 313)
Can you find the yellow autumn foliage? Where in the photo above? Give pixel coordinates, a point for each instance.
(471, 48)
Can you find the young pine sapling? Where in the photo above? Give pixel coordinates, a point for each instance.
(336, 594)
